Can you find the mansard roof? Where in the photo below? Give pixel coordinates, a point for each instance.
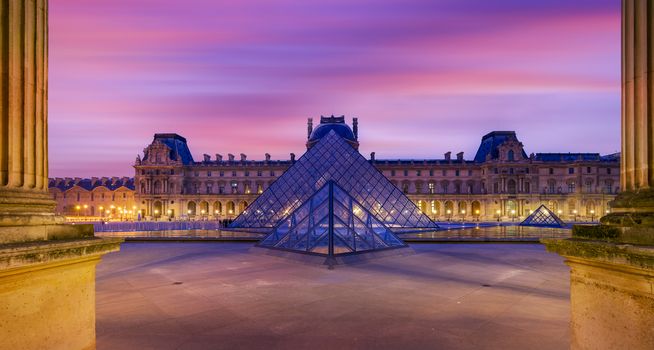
(89, 184)
(490, 143)
(177, 144)
(567, 157)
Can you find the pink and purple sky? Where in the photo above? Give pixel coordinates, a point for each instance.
(423, 76)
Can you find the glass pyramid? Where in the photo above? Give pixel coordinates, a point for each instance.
(543, 217)
(331, 223)
(333, 159)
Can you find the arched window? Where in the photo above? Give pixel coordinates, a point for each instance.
(511, 186)
(511, 155)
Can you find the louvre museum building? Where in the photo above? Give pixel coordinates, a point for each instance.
(501, 182)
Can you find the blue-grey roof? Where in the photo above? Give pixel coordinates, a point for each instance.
(491, 141)
(328, 124)
(91, 184)
(178, 147)
(566, 157)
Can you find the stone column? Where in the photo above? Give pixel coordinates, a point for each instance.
(47, 287)
(633, 209)
(24, 197)
(612, 265)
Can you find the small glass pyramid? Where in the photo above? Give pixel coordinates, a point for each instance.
(331, 223)
(333, 159)
(543, 217)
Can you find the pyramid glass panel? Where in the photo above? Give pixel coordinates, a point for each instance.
(333, 159)
(331, 222)
(543, 217)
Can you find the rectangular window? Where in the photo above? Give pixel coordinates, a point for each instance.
(571, 170)
(222, 173)
(511, 171)
(432, 188)
(209, 173)
(588, 170)
(406, 173)
(197, 173)
(234, 187)
(392, 172)
(551, 171)
(259, 173)
(272, 173)
(418, 173)
(526, 170)
(571, 187)
(247, 173)
(444, 172)
(495, 171)
(431, 172)
(456, 172)
(608, 171)
(469, 172)
(234, 173)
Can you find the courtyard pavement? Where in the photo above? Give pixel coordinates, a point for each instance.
(221, 296)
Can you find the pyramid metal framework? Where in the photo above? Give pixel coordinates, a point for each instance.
(333, 159)
(331, 223)
(543, 217)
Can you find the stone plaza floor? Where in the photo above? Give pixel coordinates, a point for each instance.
(216, 295)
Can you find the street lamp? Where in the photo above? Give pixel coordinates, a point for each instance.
(477, 214)
(592, 215)
(101, 211)
(512, 214)
(463, 215)
(449, 214)
(77, 207)
(575, 213)
(498, 213)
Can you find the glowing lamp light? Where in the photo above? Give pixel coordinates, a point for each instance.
(463, 211)
(216, 211)
(85, 206)
(78, 207)
(449, 211)
(477, 211)
(189, 211)
(156, 211)
(202, 211)
(498, 212)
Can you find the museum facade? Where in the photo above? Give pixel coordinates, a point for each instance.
(501, 182)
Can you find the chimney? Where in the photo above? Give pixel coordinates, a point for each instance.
(448, 156)
(309, 127)
(292, 157)
(267, 157)
(219, 157)
(207, 158)
(231, 157)
(243, 157)
(372, 156)
(355, 128)
(459, 156)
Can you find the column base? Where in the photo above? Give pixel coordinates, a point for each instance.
(611, 293)
(47, 293)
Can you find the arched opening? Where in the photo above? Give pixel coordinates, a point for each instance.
(204, 208)
(190, 208)
(242, 206)
(476, 208)
(217, 208)
(511, 186)
(157, 187)
(449, 208)
(435, 208)
(422, 205)
(156, 209)
(231, 208)
(511, 208)
(463, 208)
